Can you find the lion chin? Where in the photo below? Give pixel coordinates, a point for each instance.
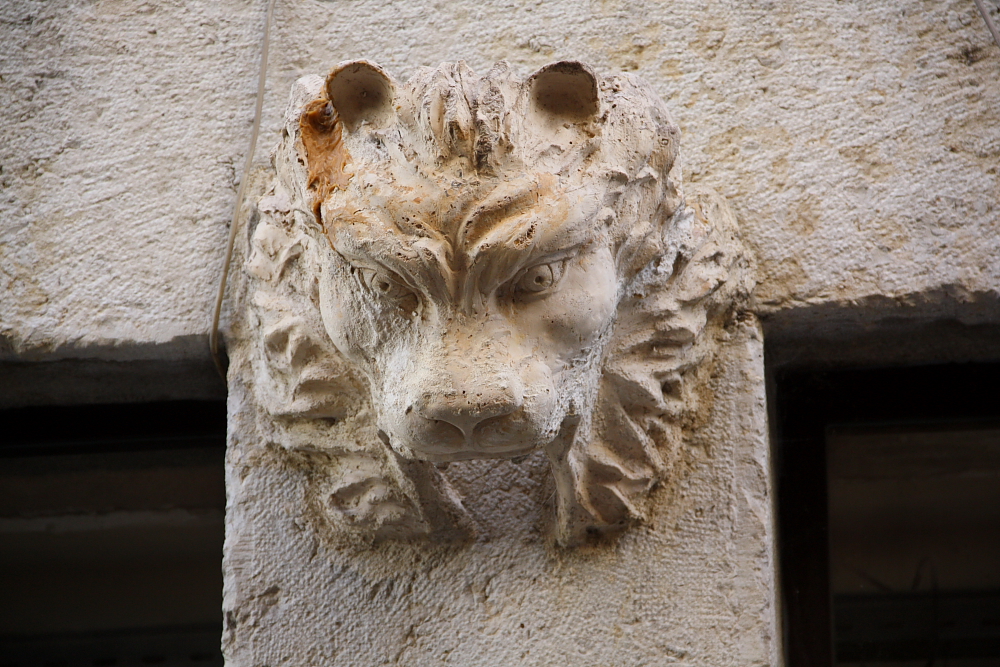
(487, 266)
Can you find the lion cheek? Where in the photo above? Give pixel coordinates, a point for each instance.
(568, 324)
(348, 321)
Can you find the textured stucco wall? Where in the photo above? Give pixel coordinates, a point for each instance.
(121, 124)
(856, 141)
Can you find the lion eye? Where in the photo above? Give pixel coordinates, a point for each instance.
(384, 285)
(539, 278)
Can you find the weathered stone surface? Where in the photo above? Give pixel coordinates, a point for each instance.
(692, 586)
(481, 267)
(856, 142)
(120, 126)
(478, 267)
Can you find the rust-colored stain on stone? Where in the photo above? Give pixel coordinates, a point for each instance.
(326, 154)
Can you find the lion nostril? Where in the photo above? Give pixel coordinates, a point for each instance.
(466, 415)
(462, 403)
(384, 437)
(448, 430)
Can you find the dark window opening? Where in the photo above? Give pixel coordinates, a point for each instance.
(889, 515)
(111, 526)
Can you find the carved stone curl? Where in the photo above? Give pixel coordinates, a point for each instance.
(480, 267)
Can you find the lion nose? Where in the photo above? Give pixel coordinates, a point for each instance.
(468, 407)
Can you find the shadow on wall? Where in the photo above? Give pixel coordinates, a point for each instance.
(940, 326)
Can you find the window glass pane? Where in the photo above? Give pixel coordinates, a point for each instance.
(111, 526)
(914, 535)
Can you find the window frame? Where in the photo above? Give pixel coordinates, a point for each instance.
(807, 402)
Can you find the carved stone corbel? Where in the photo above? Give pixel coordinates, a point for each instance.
(481, 267)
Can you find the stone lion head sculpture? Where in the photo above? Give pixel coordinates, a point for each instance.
(473, 266)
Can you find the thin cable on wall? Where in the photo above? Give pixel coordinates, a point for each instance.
(989, 21)
(213, 336)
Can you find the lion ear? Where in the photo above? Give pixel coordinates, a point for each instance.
(565, 91)
(361, 92)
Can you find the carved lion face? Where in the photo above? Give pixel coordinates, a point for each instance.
(475, 280)
(477, 351)
(496, 258)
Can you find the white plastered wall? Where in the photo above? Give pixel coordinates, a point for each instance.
(856, 141)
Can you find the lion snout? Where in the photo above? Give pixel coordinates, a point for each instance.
(465, 405)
